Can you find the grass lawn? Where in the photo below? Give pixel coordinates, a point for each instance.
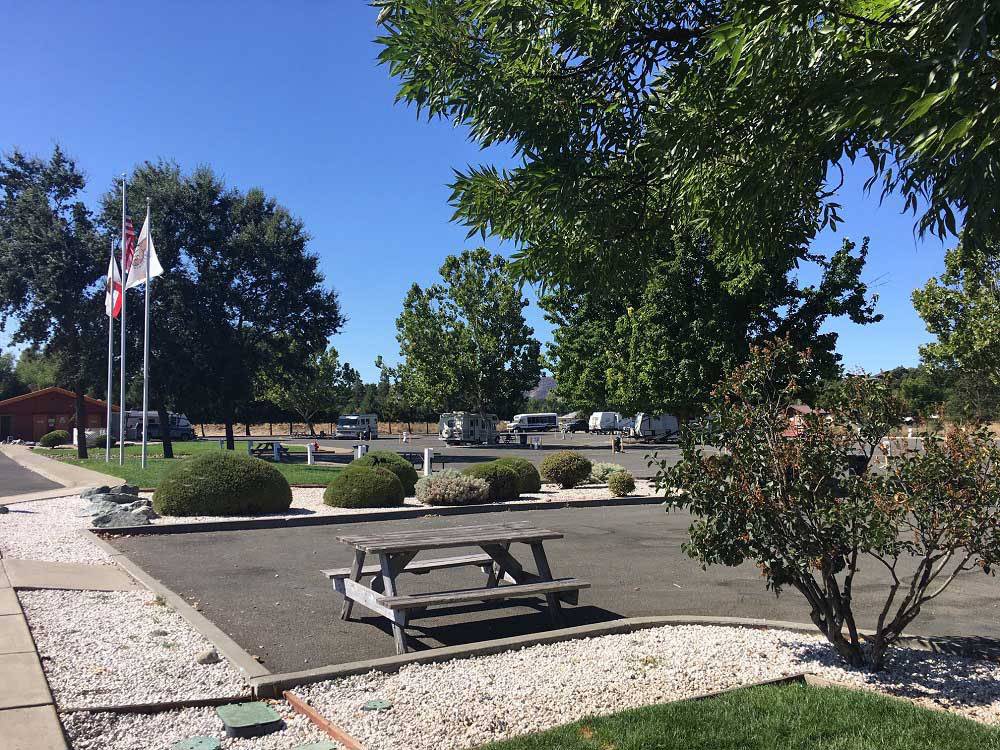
(157, 466)
(790, 717)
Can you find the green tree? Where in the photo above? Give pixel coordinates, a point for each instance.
(10, 383)
(464, 343)
(321, 385)
(52, 266)
(36, 369)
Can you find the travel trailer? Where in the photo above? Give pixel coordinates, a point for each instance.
(604, 421)
(545, 422)
(465, 427)
(651, 427)
(180, 426)
(357, 426)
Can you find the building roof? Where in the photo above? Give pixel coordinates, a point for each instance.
(55, 390)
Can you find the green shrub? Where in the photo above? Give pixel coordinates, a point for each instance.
(528, 478)
(451, 488)
(364, 487)
(621, 483)
(502, 480)
(600, 471)
(99, 441)
(395, 463)
(54, 438)
(566, 468)
(222, 484)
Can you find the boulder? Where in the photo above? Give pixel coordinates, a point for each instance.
(211, 656)
(124, 489)
(91, 491)
(4, 509)
(119, 518)
(114, 497)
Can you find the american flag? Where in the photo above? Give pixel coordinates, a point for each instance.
(129, 245)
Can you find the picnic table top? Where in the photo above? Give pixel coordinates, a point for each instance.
(454, 536)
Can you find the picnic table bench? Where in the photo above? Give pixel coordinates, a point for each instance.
(506, 577)
(269, 449)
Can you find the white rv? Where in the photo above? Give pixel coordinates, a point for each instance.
(357, 426)
(546, 422)
(180, 426)
(604, 421)
(465, 427)
(652, 427)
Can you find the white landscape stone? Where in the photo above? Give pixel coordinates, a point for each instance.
(465, 703)
(49, 530)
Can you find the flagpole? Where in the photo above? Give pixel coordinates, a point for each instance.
(145, 344)
(121, 401)
(111, 358)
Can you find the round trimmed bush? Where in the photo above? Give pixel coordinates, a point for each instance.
(452, 488)
(395, 463)
(364, 487)
(528, 478)
(566, 468)
(222, 484)
(502, 480)
(621, 483)
(54, 438)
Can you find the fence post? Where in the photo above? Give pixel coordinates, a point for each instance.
(276, 451)
(428, 460)
(360, 449)
(309, 454)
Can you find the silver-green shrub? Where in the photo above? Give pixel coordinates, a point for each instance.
(452, 488)
(600, 471)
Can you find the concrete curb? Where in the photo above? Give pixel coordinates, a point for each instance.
(225, 645)
(283, 522)
(34, 497)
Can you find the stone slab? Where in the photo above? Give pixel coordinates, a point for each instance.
(22, 681)
(15, 637)
(35, 728)
(9, 604)
(40, 574)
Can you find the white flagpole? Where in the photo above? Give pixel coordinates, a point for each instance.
(111, 358)
(145, 345)
(121, 401)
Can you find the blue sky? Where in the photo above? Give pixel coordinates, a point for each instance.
(288, 97)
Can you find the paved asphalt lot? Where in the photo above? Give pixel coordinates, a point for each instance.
(17, 480)
(264, 587)
(594, 447)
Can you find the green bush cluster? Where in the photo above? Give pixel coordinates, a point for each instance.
(222, 484)
(621, 483)
(54, 438)
(502, 480)
(360, 486)
(528, 479)
(566, 468)
(395, 463)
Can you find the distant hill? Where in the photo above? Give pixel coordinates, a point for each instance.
(545, 384)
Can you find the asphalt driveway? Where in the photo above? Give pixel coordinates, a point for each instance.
(17, 480)
(264, 587)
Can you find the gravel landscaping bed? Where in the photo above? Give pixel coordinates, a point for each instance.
(123, 647)
(465, 703)
(48, 530)
(107, 731)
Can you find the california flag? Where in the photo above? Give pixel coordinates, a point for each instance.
(137, 273)
(113, 294)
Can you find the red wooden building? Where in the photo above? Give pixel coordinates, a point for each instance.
(30, 416)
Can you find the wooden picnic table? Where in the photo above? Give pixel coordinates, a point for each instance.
(266, 449)
(506, 577)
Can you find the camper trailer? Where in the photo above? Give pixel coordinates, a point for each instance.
(652, 427)
(604, 421)
(180, 426)
(546, 422)
(357, 426)
(466, 427)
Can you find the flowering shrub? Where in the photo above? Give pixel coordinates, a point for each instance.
(452, 488)
(815, 505)
(600, 471)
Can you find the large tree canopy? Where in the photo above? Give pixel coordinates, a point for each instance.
(732, 115)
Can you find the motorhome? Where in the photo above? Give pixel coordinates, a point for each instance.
(604, 421)
(650, 427)
(180, 426)
(465, 427)
(357, 426)
(545, 422)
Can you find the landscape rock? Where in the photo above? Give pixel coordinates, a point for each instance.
(91, 491)
(119, 518)
(118, 498)
(4, 509)
(211, 656)
(124, 489)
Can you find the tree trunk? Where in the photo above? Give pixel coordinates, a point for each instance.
(230, 439)
(312, 432)
(290, 430)
(168, 446)
(246, 429)
(270, 429)
(202, 430)
(81, 423)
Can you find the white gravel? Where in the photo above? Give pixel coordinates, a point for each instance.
(465, 703)
(48, 530)
(123, 647)
(107, 731)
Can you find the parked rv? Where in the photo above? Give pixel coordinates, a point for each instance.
(652, 427)
(604, 422)
(180, 426)
(546, 422)
(357, 426)
(466, 427)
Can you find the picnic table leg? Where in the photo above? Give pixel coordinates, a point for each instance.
(359, 561)
(389, 584)
(542, 563)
